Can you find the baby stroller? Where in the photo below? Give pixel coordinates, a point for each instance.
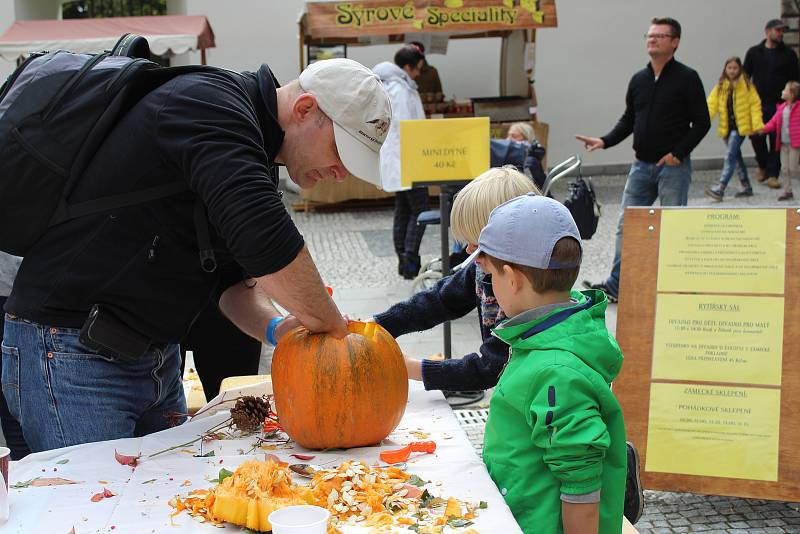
(580, 200)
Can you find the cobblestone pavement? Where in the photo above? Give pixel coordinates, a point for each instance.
(354, 253)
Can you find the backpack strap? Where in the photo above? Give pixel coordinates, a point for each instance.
(131, 45)
(66, 212)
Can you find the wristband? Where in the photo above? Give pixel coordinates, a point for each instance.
(273, 324)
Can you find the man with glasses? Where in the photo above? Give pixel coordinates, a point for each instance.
(665, 109)
(770, 64)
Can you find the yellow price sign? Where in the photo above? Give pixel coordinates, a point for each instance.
(442, 150)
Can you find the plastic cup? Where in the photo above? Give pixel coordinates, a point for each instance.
(303, 519)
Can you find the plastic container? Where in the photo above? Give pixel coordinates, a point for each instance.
(304, 519)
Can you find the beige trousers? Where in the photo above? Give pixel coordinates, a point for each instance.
(790, 165)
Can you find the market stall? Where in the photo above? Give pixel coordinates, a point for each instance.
(328, 27)
(167, 35)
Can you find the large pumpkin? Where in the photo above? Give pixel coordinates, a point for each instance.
(339, 393)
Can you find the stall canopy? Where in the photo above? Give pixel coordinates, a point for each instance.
(167, 35)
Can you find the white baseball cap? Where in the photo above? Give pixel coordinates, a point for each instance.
(357, 103)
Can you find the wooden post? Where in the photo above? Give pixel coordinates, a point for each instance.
(202, 56)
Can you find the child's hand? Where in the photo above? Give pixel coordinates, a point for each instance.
(413, 367)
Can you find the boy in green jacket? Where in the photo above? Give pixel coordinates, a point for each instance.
(555, 437)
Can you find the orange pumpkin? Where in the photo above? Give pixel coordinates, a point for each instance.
(339, 393)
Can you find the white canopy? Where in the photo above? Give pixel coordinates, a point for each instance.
(167, 35)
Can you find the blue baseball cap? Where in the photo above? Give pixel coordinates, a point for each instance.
(525, 229)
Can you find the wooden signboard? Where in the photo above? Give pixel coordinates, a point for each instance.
(706, 321)
(386, 17)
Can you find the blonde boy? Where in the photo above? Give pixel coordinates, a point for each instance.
(458, 294)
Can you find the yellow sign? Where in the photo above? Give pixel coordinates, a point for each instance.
(714, 431)
(443, 149)
(722, 251)
(718, 338)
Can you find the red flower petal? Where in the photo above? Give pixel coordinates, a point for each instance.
(123, 459)
(303, 456)
(108, 493)
(97, 497)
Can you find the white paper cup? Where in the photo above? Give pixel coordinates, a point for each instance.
(303, 519)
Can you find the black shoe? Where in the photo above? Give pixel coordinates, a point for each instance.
(634, 495)
(748, 192)
(611, 296)
(717, 193)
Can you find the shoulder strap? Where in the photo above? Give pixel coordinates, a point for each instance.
(66, 211)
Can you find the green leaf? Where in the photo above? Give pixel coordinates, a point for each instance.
(25, 484)
(206, 455)
(62, 462)
(483, 505)
(414, 527)
(223, 474)
(149, 481)
(416, 481)
(425, 498)
(458, 523)
(393, 507)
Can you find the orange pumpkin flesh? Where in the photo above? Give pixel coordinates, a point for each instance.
(339, 393)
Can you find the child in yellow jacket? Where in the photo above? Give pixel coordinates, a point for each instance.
(735, 100)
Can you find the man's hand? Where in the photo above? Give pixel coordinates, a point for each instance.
(298, 288)
(414, 368)
(289, 323)
(591, 143)
(669, 160)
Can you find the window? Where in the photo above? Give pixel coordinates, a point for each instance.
(87, 9)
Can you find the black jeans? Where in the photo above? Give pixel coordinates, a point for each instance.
(11, 428)
(767, 155)
(406, 233)
(220, 349)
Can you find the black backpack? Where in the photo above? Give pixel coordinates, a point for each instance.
(582, 204)
(56, 109)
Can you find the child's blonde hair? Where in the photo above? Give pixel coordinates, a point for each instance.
(794, 87)
(525, 129)
(475, 202)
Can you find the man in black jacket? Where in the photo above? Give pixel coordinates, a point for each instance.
(770, 64)
(665, 109)
(90, 349)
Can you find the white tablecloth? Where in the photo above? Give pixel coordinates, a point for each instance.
(142, 494)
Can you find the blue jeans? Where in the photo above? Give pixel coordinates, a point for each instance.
(64, 393)
(646, 183)
(734, 159)
(12, 431)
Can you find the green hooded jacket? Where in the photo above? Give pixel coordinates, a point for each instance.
(554, 426)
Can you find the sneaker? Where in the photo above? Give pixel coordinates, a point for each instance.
(760, 175)
(634, 495)
(773, 182)
(748, 192)
(612, 297)
(717, 193)
(786, 196)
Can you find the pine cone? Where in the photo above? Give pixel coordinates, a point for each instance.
(249, 413)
